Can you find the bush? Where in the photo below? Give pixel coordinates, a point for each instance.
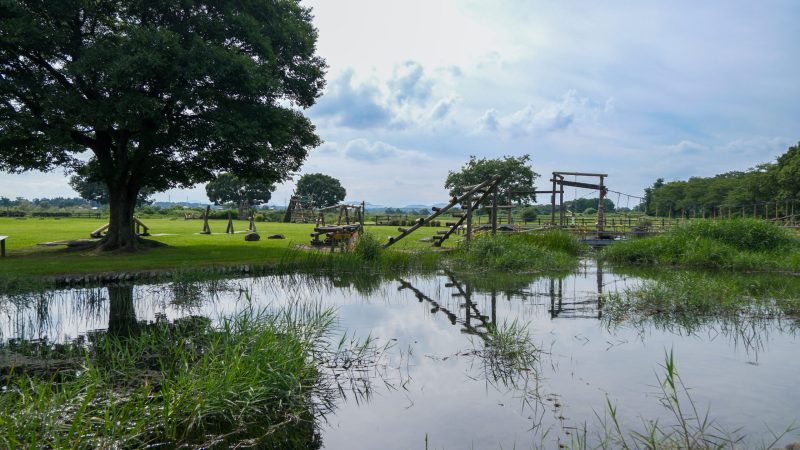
(368, 247)
(529, 214)
(589, 211)
(743, 244)
(552, 250)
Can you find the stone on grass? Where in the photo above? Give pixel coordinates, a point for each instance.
(251, 237)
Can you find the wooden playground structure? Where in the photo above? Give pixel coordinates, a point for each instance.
(344, 233)
(141, 229)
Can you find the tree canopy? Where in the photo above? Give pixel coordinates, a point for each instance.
(97, 191)
(227, 188)
(321, 190)
(162, 94)
(516, 174)
(767, 182)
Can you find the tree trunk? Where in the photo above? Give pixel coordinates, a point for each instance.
(122, 229)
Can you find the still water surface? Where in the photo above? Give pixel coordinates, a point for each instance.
(436, 386)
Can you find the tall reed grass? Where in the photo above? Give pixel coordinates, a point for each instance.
(550, 251)
(257, 379)
(739, 244)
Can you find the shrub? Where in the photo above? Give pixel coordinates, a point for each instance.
(368, 247)
(529, 214)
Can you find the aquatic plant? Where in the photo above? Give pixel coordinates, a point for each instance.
(551, 250)
(687, 427)
(368, 247)
(741, 244)
(257, 378)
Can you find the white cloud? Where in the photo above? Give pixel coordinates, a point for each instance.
(355, 106)
(549, 117)
(364, 150)
(408, 84)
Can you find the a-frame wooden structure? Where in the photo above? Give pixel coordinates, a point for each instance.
(471, 198)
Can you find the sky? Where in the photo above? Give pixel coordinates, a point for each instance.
(636, 90)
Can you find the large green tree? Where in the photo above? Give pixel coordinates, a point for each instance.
(227, 188)
(96, 191)
(320, 190)
(158, 93)
(787, 173)
(515, 172)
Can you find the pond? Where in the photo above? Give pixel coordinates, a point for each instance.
(487, 361)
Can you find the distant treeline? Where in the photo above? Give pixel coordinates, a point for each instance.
(46, 203)
(776, 183)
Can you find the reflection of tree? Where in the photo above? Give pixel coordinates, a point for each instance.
(121, 312)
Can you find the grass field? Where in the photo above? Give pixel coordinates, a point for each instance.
(185, 249)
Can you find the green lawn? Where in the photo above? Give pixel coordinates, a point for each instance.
(185, 248)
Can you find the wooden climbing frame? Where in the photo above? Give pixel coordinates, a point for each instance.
(472, 197)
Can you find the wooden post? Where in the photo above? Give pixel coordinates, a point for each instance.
(509, 209)
(553, 202)
(561, 207)
(469, 218)
(229, 230)
(494, 208)
(252, 221)
(363, 213)
(601, 208)
(206, 228)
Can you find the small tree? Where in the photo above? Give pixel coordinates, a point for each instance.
(227, 187)
(515, 175)
(321, 189)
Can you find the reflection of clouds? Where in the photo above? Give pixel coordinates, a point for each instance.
(441, 388)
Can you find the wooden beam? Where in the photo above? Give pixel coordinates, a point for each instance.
(578, 184)
(581, 174)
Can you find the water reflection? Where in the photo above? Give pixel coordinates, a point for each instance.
(504, 360)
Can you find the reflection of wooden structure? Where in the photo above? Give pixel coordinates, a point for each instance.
(141, 229)
(473, 322)
(577, 308)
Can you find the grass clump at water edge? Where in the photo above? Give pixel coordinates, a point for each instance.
(549, 250)
(740, 244)
(256, 379)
